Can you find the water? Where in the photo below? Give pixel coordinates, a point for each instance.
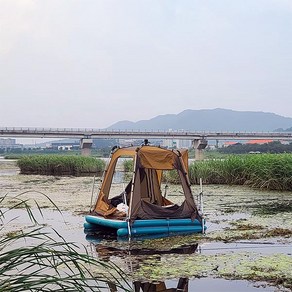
(8, 167)
(222, 285)
(72, 195)
(132, 256)
(267, 247)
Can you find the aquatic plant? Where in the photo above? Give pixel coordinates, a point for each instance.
(128, 165)
(170, 176)
(265, 171)
(59, 165)
(274, 269)
(38, 260)
(13, 156)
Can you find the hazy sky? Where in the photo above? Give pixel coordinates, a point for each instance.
(91, 63)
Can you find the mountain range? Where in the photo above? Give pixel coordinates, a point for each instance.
(210, 120)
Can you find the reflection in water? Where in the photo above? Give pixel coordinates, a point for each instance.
(99, 233)
(135, 256)
(161, 286)
(139, 286)
(140, 259)
(105, 251)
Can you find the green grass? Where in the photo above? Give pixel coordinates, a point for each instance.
(265, 171)
(128, 165)
(13, 156)
(41, 153)
(60, 165)
(170, 176)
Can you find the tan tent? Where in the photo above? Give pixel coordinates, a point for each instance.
(143, 194)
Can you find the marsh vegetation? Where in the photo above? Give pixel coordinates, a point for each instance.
(248, 235)
(60, 165)
(264, 171)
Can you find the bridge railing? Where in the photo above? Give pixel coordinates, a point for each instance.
(178, 134)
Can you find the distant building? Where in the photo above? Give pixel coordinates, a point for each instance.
(65, 146)
(229, 143)
(138, 142)
(259, 141)
(128, 142)
(176, 143)
(8, 142)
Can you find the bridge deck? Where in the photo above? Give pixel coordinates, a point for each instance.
(125, 134)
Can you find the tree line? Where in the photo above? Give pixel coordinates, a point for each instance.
(272, 147)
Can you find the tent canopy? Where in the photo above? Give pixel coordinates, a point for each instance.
(143, 194)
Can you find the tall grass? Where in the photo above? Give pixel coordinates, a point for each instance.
(128, 165)
(59, 165)
(265, 171)
(170, 176)
(37, 260)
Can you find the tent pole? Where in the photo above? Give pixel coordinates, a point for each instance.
(202, 205)
(199, 206)
(131, 197)
(102, 178)
(92, 192)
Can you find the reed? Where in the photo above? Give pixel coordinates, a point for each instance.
(265, 171)
(128, 165)
(60, 165)
(35, 259)
(170, 176)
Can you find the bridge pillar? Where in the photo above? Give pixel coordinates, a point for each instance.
(85, 145)
(217, 144)
(199, 145)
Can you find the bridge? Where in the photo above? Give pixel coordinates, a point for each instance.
(138, 134)
(86, 135)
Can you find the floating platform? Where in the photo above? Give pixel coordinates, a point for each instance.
(145, 227)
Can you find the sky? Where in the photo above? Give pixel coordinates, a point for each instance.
(91, 63)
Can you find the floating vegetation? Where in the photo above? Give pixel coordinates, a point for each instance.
(265, 171)
(275, 269)
(274, 208)
(283, 232)
(248, 236)
(60, 165)
(239, 230)
(239, 225)
(231, 235)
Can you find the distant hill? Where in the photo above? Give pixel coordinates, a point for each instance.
(210, 120)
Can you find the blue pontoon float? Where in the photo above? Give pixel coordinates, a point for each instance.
(144, 207)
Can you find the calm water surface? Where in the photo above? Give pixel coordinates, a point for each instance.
(71, 227)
